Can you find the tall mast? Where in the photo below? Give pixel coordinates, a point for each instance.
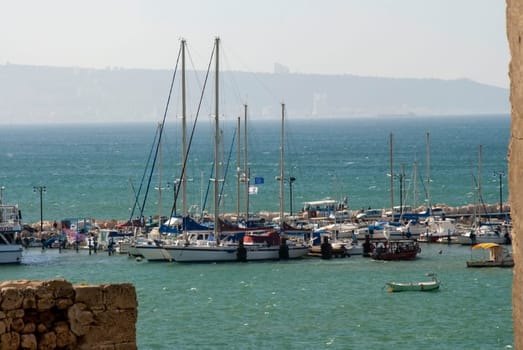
(246, 169)
(415, 182)
(479, 171)
(183, 182)
(391, 177)
(216, 143)
(282, 199)
(429, 204)
(160, 127)
(479, 174)
(238, 169)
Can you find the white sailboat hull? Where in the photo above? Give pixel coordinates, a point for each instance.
(228, 253)
(466, 240)
(10, 254)
(152, 253)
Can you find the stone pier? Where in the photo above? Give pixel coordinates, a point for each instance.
(55, 314)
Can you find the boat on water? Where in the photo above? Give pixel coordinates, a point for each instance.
(10, 228)
(498, 233)
(439, 230)
(401, 249)
(326, 209)
(423, 286)
(269, 245)
(498, 256)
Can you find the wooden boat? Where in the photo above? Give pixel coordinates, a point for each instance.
(424, 286)
(403, 249)
(498, 256)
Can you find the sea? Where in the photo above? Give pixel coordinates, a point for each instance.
(98, 171)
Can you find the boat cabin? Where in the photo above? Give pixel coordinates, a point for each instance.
(270, 238)
(322, 209)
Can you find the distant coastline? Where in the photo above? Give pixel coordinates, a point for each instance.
(80, 95)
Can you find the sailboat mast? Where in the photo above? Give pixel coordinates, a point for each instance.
(238, 169)
(415, 183)
(184, 140)
(160, 127)
(282, 199)
(216, 142)
(479, 174)
(429, 204)
(391, 177)
(479, 169)
(246, 169)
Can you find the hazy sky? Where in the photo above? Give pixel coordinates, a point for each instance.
(447, 39)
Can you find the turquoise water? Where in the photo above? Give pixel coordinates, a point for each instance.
(307, 304)
(301, 304)
(91, 170)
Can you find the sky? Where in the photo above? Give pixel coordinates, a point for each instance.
(441, 39)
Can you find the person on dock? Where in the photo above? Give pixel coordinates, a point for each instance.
(110, 247)
(95, 243)
(77, 243)
(90, 244)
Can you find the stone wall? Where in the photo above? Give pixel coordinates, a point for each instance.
(55, 314)
(514, 31)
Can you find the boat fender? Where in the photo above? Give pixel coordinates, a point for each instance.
(283, 253)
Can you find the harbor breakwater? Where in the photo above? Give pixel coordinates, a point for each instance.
(464, 214)
(55, 314)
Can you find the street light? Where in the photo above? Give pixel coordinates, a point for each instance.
(2, 188)
(291, 179)
(41, 189)
(500, 173)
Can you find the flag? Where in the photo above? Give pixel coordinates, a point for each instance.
(253, 190)
(258, 180)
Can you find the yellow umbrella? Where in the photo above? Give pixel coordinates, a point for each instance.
(485, 245)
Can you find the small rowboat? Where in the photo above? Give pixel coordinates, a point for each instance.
(414, 286)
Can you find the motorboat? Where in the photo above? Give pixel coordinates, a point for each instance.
(402, 249)
(423, 286)
(498, 256)
(486, 233)
(10, 228)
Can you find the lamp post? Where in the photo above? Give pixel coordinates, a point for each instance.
(2, 188)
(500, 173)
(291, 180)
(41, 189)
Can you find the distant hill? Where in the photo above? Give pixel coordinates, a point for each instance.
(36, 94)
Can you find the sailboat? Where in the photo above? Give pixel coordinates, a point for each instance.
(484, 232)
(251, 247)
